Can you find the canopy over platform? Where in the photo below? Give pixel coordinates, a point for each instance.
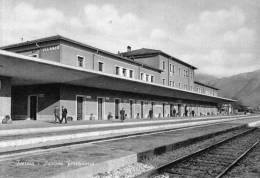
(25, 70)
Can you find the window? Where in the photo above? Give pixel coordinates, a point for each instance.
(100, 66)
(184, 73)
(179, 85)
(173, 68)
(80, 61)
(124, 72)
(170, 83)
(117, 70)
(173, 84)
(152, 79)
(170, 67)
(147, 78)
(179, 71)
(142, 76)
(0, 84)
(163, 81)
(131, 73)
(163, 65)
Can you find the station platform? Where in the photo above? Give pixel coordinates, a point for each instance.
(27, 138)
(87, 159)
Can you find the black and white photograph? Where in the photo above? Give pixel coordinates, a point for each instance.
(129, 89)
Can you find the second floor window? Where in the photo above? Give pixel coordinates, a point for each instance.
(131, 73)
(124, 72)
(152, 79)
(117, 70)
(100, 66)
(147, 78)
(80, 61)
(170, 67)
(142, 76)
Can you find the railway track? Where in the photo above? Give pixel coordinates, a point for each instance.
(213, 161)
(6, 155)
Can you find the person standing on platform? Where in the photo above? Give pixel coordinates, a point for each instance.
(150, 114)
(57, 114)
(193, 113)
(174, 112)
(64, 114)
(122, 114)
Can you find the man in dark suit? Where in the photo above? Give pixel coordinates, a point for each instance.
(122, 114)
(64, 114)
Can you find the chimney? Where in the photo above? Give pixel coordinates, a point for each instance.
(128, 48)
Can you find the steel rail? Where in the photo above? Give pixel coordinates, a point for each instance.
(224, 172)
(165, 167)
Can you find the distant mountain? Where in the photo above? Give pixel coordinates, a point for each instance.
(244, 87)
(205, 78)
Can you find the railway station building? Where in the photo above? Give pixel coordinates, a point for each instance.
(36, 76)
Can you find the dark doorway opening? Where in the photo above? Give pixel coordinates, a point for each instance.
(33, 107)
(80, 107)
(117, 101)
(100, 108)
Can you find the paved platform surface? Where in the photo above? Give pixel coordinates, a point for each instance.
(16, 142)
(27, 124)
(14, 134)
(76, 161)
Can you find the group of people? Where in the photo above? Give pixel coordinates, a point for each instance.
(64, 113)
(122, 113)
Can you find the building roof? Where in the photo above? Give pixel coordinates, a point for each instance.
(145, 52)
(62, 38)
(205, 85)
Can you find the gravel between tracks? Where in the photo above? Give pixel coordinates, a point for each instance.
(248, 167)
(127, 171)
(160, 160)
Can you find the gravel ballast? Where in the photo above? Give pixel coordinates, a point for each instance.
(127, 171)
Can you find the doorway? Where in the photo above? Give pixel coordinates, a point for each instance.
(33, 107)
(131, 109)
(80, 101)
(117, 101)
(100, 108)
(171, 110)
(163, 110)
(179, 110)
(142, 109)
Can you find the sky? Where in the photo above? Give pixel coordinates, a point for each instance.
(221, 38)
